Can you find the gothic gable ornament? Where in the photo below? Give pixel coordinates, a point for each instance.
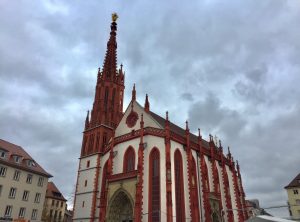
(132, 119)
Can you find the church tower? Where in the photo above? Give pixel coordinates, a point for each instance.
(138, 166)
(108, 102)
(100, 124)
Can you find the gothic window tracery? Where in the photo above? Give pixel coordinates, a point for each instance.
(179, 189)
(129, 160)
(154, 182)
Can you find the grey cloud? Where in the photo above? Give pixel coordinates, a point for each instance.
(238, 61)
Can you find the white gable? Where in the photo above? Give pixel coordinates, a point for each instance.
(148, 120)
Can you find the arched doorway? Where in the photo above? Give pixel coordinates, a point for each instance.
(120, 208)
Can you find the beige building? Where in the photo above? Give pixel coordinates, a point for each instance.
(23, 184)
(293, 191)
(55, 204)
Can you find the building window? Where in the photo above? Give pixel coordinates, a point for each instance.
(17, 175)
(29, 178)
(59, 215)
(17, 158)
(1, 186)
(298, 202)
(51, 212)
(34, 214)
(8, 211)
(31, 163)
(195, 185)
(129, 160)
(57, 203)
(61, 204)
(2, 154)
(154, 186)
(12, 193)
(104, 177)
(25, 195)
(2, 171)
(55, 215)
(87, 164)
(295, 191)
(41, 181)
(52, 202)
(179, 189)
(85, 183)
(37, 198)
(22, 212)
(82, 203)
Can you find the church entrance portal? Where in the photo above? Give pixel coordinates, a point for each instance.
(120, 208)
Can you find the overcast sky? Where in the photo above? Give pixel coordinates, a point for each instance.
(231, 68)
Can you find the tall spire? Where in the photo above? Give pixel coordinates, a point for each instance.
(110, 62)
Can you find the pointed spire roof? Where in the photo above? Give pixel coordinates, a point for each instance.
(147, 104)
(133, 96)
(110, 61)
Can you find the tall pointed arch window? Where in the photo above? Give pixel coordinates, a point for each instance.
(154, 186)
(179, 188)
(106, 97)
(195, 184)
(129, 160)
(104, 177)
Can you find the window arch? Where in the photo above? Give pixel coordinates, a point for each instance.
(154, 186)
(104, 177)
(195, 184)
(179, 187)
(129, 160)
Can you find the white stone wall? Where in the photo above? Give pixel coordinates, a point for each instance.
(7, 182)
(232, 194)
(121, 149)
(84, 193)
(148, 120)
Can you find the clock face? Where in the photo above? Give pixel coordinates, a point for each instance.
(132, 119)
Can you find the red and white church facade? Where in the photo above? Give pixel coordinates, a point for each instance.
(138, 166)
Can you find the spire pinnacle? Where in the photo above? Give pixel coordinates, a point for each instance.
(109, 69)
(87, 119)
(147, 104)
(187, 125)
(167, 116)
(114, 17)
(133, 97)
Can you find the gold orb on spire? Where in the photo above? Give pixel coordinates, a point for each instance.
(114, 17)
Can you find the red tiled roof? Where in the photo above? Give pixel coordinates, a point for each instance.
(178, 130)
(15, 150)
(294, 183)
(53, 192)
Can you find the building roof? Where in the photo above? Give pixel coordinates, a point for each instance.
(294, 183)
(264, 218)
(25, 161)
(53, 192)
(177, 129)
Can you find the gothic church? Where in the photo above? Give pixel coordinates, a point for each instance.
(139, 166)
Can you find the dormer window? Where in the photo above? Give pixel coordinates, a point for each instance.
(17, 158)
(3, 154)
(31, 163)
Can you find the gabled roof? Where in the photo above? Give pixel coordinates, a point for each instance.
(294, 183)
(177, 129)
(53, 192)
(15, 150)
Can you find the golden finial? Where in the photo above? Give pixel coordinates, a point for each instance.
(114, 17)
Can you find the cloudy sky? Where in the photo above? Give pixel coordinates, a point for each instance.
(231, 68)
